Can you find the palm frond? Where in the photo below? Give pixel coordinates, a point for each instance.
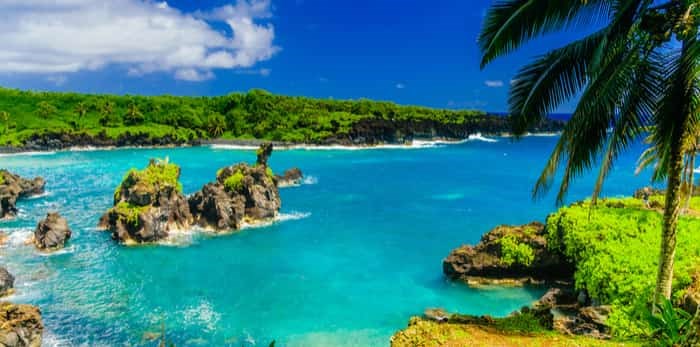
(510, 23)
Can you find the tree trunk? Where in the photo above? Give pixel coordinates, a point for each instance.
(664, 277)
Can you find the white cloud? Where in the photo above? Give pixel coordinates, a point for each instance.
(494, 84)
(400, 86)
(58, 80)
(64, 36)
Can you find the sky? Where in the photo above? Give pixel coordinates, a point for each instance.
(405, 51)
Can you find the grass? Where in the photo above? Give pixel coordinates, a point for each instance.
(504, 332)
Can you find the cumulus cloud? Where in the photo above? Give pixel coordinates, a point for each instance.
(494, 84)
(64, 36)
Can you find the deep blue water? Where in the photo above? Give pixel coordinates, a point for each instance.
(358, 253)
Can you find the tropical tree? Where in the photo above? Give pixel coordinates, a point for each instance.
(45, 109)
(216, 124)
(81, 110)
(107, 112)
(639, 68)
(5, 118)
(133, 115)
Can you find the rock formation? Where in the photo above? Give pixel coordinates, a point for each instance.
(7, 282)
(52, 232)
(13, 187)
(241, 193)
(20, 325)
(508, 255)
(291, 177)
(148, 205)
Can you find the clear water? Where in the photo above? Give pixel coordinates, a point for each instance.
(360, 250)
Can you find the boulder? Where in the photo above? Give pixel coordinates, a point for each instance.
(587, 321)
(291, 177)
(14, 187)
(20, 325)
(52, 232)
(148, 205)
(7, 282)
(508, 255)
(241, 193)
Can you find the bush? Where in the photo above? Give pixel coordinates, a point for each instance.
(615, 247)
(513, 252)
(234, 182)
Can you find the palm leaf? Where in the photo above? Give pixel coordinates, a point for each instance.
(510, 23)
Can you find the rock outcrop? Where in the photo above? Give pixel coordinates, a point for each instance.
(508, 255)
(20, 325)
(14, 187)
(52, 232)
(148, 205)
(7, 282)
(241, 193)
(291, 177)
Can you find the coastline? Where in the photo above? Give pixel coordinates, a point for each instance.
(253, 144)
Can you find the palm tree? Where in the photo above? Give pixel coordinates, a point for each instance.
(107, 110)
(640, 68)
(133, 114)
(81, 110)
(5, 118)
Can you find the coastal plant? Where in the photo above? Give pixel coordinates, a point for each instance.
(5, 118)
(133, 115)
(45, 109)
(614, 248)
(269, 173)
(670, 325)
(640, 71)
(514, 252)
(234, 182)
(129, 212)
(81, 110)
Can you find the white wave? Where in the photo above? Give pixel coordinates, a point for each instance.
(19, 237)
(27, 154)
(479, 137)
(282, 217)
(697, 170)
(38, 196)
(415, 144)
(309, 180)
(65, 250)
(201, 315)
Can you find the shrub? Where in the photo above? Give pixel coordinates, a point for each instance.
(234, 182)
(514, 252)
(615, 247)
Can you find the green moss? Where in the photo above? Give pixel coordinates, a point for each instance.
(159, 173)
(514, 252)
(269, 173)
(129, 213)
(615, 247)
(2, 178)
(234, 182)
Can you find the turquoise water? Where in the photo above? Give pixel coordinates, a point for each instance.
(357, 252)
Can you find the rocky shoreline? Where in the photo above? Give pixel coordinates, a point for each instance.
(365, 133)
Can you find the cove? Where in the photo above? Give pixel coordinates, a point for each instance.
(356, 252)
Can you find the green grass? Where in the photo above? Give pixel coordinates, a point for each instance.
(256, 114)
(615, 247)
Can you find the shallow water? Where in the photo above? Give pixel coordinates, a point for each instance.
(358, 251)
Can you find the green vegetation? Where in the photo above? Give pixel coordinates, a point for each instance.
(158, 172)
(514, 331)
(269, 173)
(256, 114)
(514, 252)
(129, 212)
(2, 178)
(615, 247)
(234, 182)
(638, 71)
(670, 325)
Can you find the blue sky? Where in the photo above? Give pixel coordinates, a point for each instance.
(409, 52)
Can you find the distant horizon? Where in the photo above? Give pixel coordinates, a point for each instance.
(410, 54)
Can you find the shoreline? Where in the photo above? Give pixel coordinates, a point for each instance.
(252, 144)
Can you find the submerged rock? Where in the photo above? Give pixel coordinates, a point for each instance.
(291, 177)
(20, 325)
(508, 255)
(241, 193)
(148, 205)
(14, 187)
(52, 232)
(7, 282)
